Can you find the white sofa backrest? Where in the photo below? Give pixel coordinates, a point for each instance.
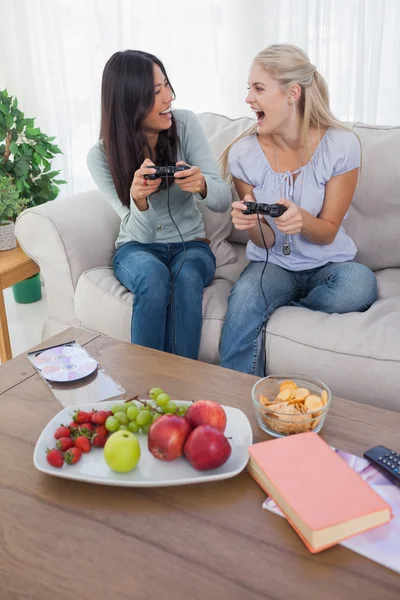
(374, 216)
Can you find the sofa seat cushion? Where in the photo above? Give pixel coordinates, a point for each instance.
(388, 283)
(102, 304)
(357, 354)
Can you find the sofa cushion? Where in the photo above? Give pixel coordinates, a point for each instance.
(374, 216)
(362, 365)
(232, 272)
(388, 283)
(221, 130)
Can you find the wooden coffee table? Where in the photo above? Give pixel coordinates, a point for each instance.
(63, 539)
(15, 266)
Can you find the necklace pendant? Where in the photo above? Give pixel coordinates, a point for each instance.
(286, 248)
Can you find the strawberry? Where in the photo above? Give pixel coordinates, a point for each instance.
(55, 458)
(72, 456)
(73, 427)
(101, 430)
(86, 429)
(81, 417)
(100, 417)
(82, 443)
(99, 440)
(62, 431)
(65, 443)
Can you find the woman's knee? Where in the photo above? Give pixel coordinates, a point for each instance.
(150, 278)
(358, 287)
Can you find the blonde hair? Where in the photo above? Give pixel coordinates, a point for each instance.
(289, 65)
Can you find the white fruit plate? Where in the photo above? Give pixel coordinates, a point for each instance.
(150, 472)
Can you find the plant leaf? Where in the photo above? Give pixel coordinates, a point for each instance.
(14, 148)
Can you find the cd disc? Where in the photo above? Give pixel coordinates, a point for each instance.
(54, 355)
(69, 368)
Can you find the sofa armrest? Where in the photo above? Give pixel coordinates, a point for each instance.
(65, 238)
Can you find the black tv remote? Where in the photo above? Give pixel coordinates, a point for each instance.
(386, 460)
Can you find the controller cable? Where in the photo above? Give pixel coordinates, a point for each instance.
(173, 279)
(263, 330)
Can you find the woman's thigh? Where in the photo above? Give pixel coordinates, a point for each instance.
(141, 266)
(341, 288)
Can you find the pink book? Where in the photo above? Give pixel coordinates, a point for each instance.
(321, 496)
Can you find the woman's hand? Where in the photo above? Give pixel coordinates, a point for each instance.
(191, 180)
(291, 221)
(240, 220)
(141, 187)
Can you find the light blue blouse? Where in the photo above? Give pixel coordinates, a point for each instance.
(338, 152)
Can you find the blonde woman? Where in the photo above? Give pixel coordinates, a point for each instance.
(299, 155)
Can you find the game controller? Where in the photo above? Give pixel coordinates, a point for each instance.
(272, 210)
(166, 171)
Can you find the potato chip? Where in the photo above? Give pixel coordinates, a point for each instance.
(324, 397)
(301, 393)
(315, 423)
(312, 403)
(276, 406)
(264, 400)
(291, 385)
(284, 396)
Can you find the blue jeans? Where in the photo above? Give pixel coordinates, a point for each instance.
(334, 288)
(166, 317)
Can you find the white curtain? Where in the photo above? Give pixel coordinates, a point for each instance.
(52, 53)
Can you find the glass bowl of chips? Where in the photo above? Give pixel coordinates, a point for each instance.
(288, 404)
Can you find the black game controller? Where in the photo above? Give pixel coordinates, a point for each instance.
(272, 210)
(166, 171)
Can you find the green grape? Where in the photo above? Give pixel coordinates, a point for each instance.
(143, 418)
(182, 409)
(133, 427)
(112, 424)
(146, 428)
(118, 408)
(123, 428)
(145, 407)
(163, 399)
(156, 416)
(122, 418)
(170, 408)
(154, 392)
(128, 405)
(132, 412)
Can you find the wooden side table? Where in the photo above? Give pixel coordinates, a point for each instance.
(15, 266)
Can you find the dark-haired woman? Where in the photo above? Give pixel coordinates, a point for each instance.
(138, 131)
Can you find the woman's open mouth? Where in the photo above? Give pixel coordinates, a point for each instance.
(166, 114)
(260, 116)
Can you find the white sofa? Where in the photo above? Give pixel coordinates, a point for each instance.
(357, 354)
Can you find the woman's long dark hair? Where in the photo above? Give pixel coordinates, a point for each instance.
(127, 96)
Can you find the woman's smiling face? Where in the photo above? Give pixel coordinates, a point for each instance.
(268, 99)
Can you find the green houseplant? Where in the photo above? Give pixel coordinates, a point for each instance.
(11, 204)
(25, 157)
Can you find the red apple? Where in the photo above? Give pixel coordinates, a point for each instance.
(206, 412)
(167, 437)
(207, 448)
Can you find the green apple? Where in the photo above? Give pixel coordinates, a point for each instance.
(122, 451)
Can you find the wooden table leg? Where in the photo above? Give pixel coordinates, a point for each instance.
(5, 346)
